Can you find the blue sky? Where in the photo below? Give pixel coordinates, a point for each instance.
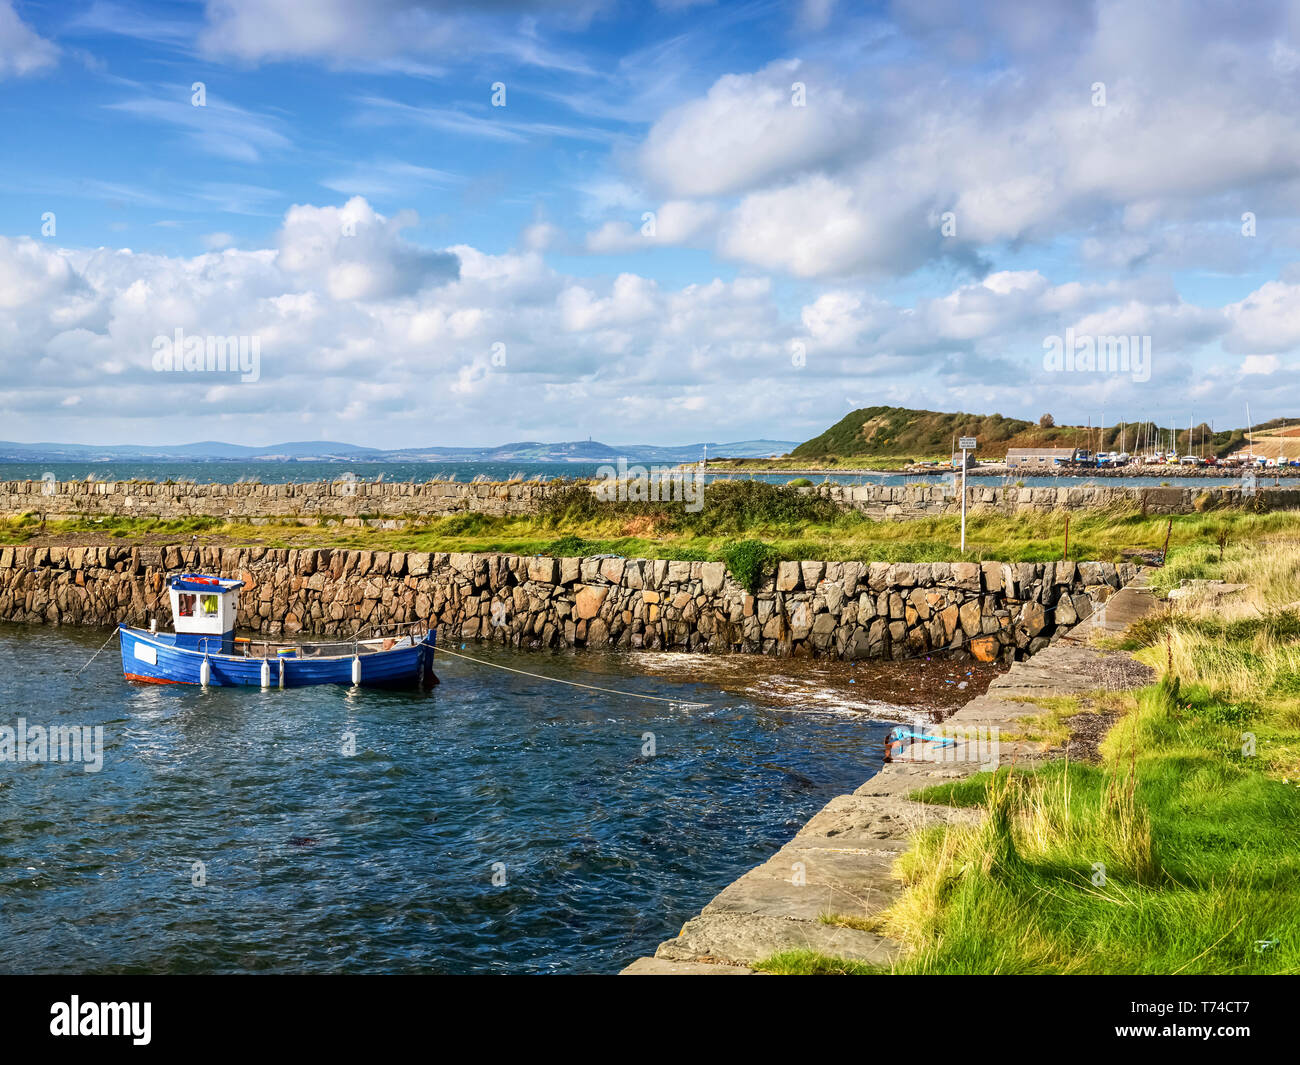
(852, 204)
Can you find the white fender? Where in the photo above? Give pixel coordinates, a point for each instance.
(281, 672)
(356, 669)
(205, 672)
(266, 673)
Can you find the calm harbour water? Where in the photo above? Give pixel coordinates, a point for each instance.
(302, 472)
(383, 861)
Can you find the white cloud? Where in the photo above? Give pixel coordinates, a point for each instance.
(539, 236)
(836, 319)
(815, 14)
(389, 179)
(217, 128)
(676, 222)
(816, 227)
(32, 277)
(400, 345)
(22, 50)
(355, 253)
(1260, 364)
(1267, 320)
(990, 116)
(401, 35)
(1174, 326)
(748, 129)
(372, 330)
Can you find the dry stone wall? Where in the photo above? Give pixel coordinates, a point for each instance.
(849, 610)
(930, 500)
(316, 500)
(397, 502)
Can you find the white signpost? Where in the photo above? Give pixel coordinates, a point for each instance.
(966, 443)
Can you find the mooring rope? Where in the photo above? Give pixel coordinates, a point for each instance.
(96, 654)
(571, 683)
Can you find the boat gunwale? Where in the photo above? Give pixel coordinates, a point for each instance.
(152, 639)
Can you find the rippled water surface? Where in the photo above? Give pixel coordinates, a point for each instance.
(384, 861)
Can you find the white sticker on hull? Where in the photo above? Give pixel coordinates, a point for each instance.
(146, 653)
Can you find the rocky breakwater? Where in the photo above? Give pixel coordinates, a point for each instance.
(993, 610)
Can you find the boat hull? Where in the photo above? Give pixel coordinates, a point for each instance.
(151, 658)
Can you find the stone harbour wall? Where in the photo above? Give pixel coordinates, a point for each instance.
(395, 503)
(314, 500)
(935, 499)
(849, 610)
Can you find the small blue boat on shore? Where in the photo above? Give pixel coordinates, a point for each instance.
(204, 650)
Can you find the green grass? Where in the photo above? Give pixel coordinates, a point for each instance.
(847, 920)
(793, 525)
(750, 561)
(1052, 727)
(1198, 836)
(29, 526)
(811, 963)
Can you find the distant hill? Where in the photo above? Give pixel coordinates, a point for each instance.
(333, 451)
(900, 432)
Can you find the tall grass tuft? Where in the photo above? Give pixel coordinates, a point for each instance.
(1179, 852)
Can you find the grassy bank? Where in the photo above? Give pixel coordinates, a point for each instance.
(1177, 852)
(790, 525)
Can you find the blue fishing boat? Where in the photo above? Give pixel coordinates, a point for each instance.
(203, 649)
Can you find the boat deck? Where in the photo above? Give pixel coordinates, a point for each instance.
(246, 647)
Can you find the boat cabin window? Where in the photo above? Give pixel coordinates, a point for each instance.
(185, 604)
(209, 604)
